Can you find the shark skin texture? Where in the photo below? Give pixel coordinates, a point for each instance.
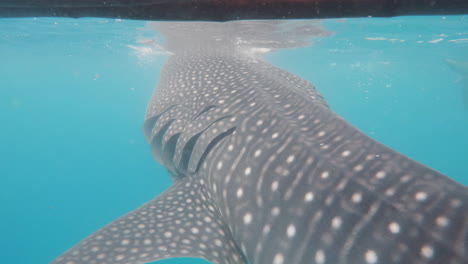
(265, 173)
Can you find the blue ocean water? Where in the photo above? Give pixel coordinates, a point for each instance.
(73, 95)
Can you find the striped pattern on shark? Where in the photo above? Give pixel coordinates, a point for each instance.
(265, 173)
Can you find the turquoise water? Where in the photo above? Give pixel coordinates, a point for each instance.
(73, 96)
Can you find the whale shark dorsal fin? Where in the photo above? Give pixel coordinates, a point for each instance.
(461, 68)
(181, 222)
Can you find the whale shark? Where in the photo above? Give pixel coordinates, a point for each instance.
(264, 172)
(461, 68)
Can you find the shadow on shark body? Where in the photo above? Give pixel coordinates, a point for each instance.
(264, 172)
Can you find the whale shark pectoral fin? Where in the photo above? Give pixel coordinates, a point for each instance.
(181, 222)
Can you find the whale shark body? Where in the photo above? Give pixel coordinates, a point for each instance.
(265, 173)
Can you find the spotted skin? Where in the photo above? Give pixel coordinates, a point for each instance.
(264, 172)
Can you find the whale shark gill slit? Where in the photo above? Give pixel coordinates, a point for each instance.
(192, 147)
(187, 152)
(156, 143)
(212, 144)
(150, 124)
(208, 108)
